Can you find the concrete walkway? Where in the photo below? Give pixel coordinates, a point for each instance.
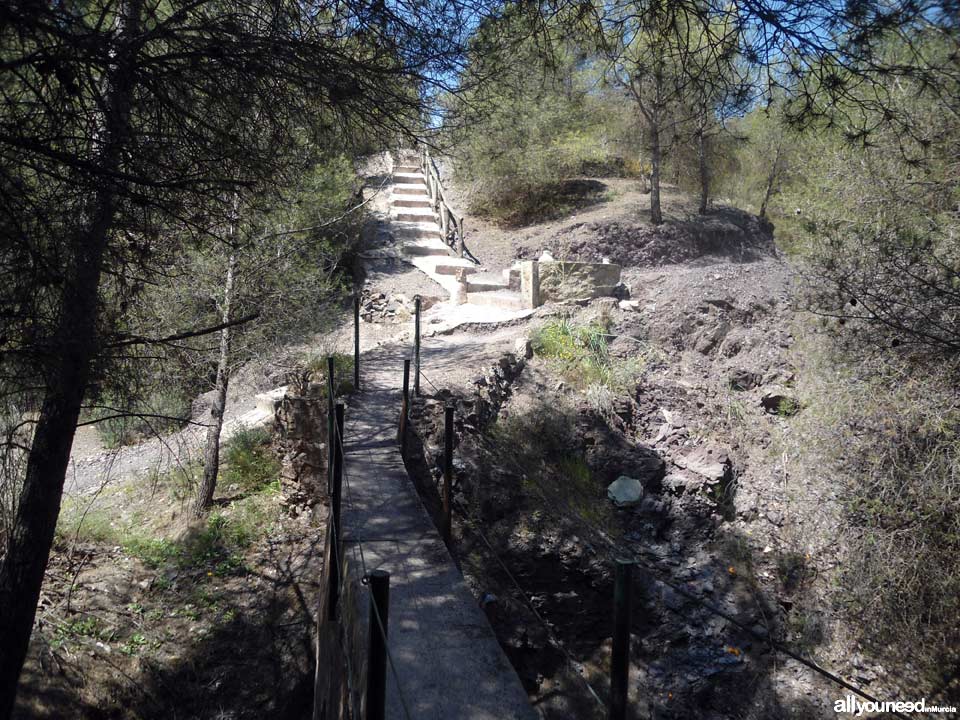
(447, 658)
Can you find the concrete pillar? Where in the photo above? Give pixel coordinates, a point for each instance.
(530, 283)
(459, 294)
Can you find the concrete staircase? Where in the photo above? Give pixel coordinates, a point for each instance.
(416, 226)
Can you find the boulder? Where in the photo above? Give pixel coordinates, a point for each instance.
(523, 348)
(625, 491)
(709, 339)
(741, 379)
(706, 461)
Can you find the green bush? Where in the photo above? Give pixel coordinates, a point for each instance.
(537, 121)
(249, 461)
(583, 353)
(544, 444)
(316, 365)
(887, 434)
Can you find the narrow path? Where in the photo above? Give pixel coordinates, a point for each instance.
(448, 662)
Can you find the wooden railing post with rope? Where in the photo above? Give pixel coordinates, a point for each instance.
(451, 226)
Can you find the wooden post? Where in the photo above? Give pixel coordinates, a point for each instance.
(404, 408)
(416, 346)
(620, 656)
(377, 659)
(460, 237)
(336, 501)
(447, 472)
(330, 423)
(356, 343)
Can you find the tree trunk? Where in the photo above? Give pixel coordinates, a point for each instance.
(704, 172)
(771, 182)
(211, 458)
(656, 216)
(74, 347)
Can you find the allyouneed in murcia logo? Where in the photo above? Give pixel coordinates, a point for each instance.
(851, 705)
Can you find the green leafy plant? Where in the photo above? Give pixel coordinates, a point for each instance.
(584, 356)
(249, 461)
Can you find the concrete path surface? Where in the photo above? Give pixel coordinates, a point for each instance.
(448, 661)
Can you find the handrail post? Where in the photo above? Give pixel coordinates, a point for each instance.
(377, 659)
(336, 501)
(620, 655)
(447, 473)
(404, 408)
(416, 346)
(331, 430)
(356, 343)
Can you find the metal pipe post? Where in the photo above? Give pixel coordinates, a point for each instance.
(416, 346)
(331, 430)
(620, 656)
(356, 342)
(404, 408)
(377, 660)
(336, 503)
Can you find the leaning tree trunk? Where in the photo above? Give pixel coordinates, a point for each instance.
(656, 160)
(74, 347)
(771, 181)
(704, 172)
(211, 459)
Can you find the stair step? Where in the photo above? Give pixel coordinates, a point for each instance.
(481, 287)
(408, 178)
(405, 228)
(427, 249)
(410, 189)
(410, 201)
(406, 168)
(501, 299)
(412, 215)
(454, 265)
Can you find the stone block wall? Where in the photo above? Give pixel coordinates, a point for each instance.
(552, 281)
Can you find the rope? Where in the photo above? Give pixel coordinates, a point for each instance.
(554, 640)
(432, 384)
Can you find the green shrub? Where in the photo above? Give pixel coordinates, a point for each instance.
(316, 365)
(544, 444)
(583, 354)
(889, 440)
(249, 461)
